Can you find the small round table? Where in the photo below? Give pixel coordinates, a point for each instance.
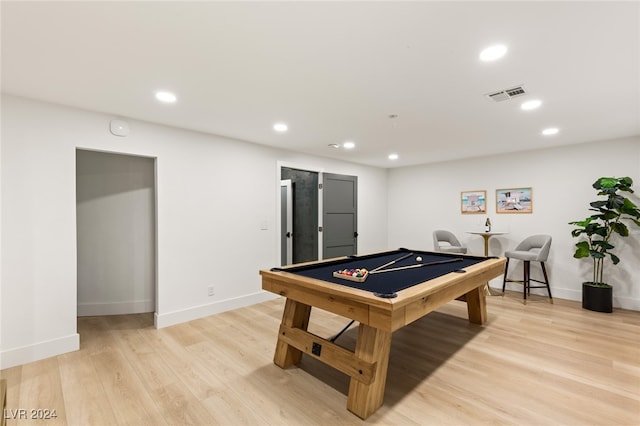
(486, 235)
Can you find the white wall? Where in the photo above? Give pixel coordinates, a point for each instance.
(213, 195)
(425, 198)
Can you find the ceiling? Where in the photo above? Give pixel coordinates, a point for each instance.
(337, 71)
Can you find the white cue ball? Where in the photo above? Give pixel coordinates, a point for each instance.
(418, 259)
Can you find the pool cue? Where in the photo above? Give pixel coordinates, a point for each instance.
(417, 265)
(391, 263)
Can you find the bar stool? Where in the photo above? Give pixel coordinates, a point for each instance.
(532, 249)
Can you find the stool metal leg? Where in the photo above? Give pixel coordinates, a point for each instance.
(526, 278)
(546, 280)
(504, 280)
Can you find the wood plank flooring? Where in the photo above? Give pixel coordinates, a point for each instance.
(534, 364)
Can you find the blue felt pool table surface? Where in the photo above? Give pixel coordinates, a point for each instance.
(386, 284)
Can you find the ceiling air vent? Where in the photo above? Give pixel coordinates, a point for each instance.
(505, 95)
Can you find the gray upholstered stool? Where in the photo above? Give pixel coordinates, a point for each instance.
(446, 241)
(533, 249)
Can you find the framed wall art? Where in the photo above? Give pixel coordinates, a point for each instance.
(473, 202)
(514, 200)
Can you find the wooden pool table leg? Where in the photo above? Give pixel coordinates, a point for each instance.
(477, 305)
(295, 315)
(373, 345)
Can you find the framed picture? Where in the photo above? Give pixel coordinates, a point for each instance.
(514, 200)
(473, 202)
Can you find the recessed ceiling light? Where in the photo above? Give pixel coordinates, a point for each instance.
(493, 52)
(393, 156)
(280, 127)
(531, 104)
(550, 131)
(167, 97)
(334, 145)
(349, 145)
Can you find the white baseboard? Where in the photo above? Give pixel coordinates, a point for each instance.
(25, 354)
(116, 308)
(177, 317)
(625, 302)
(576, 295)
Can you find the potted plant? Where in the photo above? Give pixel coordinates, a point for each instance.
(610, 218)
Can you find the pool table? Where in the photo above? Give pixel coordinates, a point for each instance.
(403, 290)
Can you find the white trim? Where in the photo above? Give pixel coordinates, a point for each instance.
(625, 302)
(286, 183)
(25, 354)
(116, 308)
(570, 294)
(196, 312)
(278, 221)
(320, 215)
(82, 310)
(289, 165)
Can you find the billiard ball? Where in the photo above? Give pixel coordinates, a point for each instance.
(418, 259)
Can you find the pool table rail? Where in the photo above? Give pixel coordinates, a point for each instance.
(386, 314)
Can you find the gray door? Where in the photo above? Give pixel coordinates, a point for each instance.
(340, 215)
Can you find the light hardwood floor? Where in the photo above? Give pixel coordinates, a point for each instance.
(539, 364)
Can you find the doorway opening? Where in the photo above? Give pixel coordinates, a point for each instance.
(116, 233)
(301, 242)
(318, 215)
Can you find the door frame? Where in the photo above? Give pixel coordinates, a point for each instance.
(279, 166)
(286, 183)
(155, 159)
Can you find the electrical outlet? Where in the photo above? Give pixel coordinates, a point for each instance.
(211, 290)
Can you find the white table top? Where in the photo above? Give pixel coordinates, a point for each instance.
(487, 233)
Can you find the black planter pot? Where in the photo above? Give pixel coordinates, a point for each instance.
(597, 298)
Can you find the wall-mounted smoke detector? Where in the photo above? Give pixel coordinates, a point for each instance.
(506, 94)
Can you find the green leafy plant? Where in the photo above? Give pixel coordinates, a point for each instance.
(609, 219)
